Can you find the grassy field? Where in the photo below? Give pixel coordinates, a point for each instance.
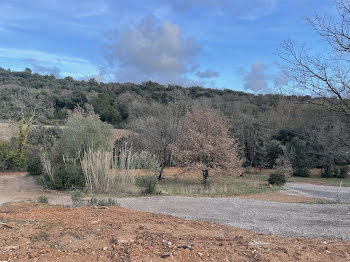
(190, 184)
(344, 182)
(177, 182)
(315, 178)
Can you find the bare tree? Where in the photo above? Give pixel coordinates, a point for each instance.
(204, 143)
(155, 133)
(325, 74)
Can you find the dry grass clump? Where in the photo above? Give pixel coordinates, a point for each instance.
(108, 174)
(96, 169)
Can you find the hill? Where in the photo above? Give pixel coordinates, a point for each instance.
(255, 120)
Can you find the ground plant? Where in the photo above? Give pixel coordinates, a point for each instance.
(277, 179)
(147, 183)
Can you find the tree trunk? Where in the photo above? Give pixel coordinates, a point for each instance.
(160, 173)
(205, 174)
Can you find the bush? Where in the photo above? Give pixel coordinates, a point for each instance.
(7, 155)
(77, 198)
(103, 202)
(336, 172)
(67, 176)
(145, 160)
(277, 179)
(83, 131)
(149, 184)
(43, 200)
(34, 166)
(301, 172)
(343, 172)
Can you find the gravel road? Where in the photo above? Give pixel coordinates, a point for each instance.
(338, 194)
(290, 219)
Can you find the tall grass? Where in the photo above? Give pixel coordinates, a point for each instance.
(46, 163)
(107, 174)
(96, 168)
(124, 170)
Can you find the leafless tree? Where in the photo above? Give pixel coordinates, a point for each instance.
(326, 75)
(204, 143)
(155, 133)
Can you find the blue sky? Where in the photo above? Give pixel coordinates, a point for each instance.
(218, 44)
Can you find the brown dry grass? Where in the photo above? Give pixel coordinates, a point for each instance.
(48, 233)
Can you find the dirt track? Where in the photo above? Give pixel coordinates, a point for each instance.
(22, 187)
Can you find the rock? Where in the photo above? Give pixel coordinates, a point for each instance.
(10, 247)
(165, 255)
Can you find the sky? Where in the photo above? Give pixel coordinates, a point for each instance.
(229, 44)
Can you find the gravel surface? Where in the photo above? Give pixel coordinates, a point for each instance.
(290, 219)
(338, 194)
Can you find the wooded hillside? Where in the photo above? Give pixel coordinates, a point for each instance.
(266, 126)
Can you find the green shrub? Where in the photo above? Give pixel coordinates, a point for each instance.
(67, 176)
(327, 173)
(277, 179)
(301, 172)
(93, 201)
(103, 202)
(108, 202)
(148, 183)
(83, 131)
(335, 172)
(343, 172)
(34, 166)
(43, 200)
(77, 198)
(7, 155)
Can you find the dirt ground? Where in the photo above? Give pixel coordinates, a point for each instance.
(18, 186)
(52, 233)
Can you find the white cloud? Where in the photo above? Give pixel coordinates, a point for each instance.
(45, 62)
(207, 74)
(255, 79)
(39, 56)
(149, 51)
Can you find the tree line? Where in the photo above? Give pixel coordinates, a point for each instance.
(269, 129)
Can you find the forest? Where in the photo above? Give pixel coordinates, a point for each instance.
(269, 129)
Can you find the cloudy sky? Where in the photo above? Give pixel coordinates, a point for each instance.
(213, 43)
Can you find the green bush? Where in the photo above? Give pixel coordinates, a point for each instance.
(77, 198)
(7, 155)
(43, 200)
(103, 202)
(343, 172)
(301, 172)
(277, 179)
(335, 172)
(34, 166)
(83, 131)
(67, 176)
(148, 183)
